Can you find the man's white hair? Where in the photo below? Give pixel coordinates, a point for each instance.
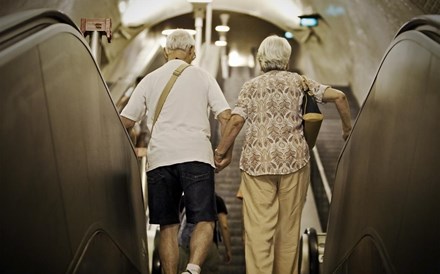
(179, 39)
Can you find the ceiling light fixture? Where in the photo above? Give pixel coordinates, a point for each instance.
(309, 20)
(222, 28)
(221, 43)
(167, 32)
(199, 1)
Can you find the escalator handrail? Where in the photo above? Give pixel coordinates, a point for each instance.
(420, 21)
(12, 21)
(313, 250)
(18, 26)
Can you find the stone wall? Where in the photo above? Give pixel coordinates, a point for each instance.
(351, 39)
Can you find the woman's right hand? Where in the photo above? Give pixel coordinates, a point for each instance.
(222, 162)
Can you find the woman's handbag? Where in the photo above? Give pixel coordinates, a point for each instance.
(312, 119)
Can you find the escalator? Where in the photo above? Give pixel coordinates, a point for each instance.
(384, 210)
(71, 198)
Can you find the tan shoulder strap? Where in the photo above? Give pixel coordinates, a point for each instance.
(166, 91)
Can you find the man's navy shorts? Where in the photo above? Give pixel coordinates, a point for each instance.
(165, 187)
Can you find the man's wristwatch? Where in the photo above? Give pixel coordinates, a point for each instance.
(217, 154)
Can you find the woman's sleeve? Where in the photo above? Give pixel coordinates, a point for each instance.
(316, 88)
(243, 101)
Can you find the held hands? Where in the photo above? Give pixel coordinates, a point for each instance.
(222, 160)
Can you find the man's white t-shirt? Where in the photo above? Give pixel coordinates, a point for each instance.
(182, 131)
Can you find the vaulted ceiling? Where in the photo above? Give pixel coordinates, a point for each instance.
(345, 48)
(283, 13)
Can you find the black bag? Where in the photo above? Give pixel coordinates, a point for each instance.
(312, 119)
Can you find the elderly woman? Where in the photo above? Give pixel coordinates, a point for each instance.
(274, 162)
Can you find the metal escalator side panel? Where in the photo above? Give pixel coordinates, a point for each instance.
(386, 194)
(66, 166)
(21, 173)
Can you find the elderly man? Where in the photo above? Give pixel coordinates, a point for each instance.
(180, 156)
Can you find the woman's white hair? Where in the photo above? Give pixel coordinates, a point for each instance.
(274, 53)
(179, 39)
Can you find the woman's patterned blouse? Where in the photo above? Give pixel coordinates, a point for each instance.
(271, 105)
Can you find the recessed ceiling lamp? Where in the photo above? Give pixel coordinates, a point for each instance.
(309, 20)
(220, 43)
(288, 35)
(167, 32)
(199, 1)
(222, 28)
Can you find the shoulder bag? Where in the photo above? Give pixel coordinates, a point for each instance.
(166, 91)
(312, 118)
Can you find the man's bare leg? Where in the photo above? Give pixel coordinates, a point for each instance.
(168, 248)
(201, 240)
